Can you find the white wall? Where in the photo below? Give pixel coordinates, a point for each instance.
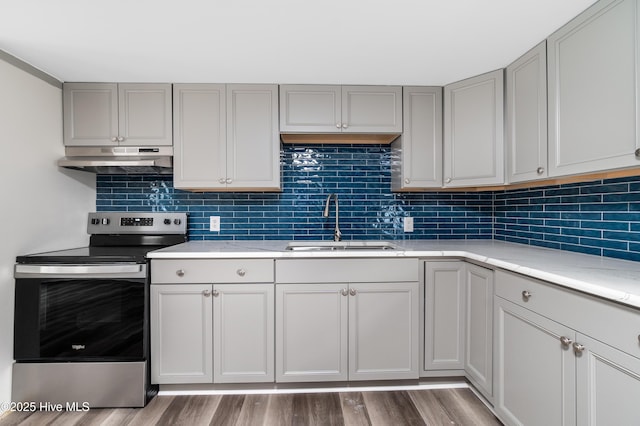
(41, 207)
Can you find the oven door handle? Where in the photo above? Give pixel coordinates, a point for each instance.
(98, 270)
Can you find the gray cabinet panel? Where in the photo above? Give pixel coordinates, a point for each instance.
(243, 344)
(478, 345)
(383, 330)
(444, 315)
(145, 114)
(371, 109)
(90, 114)
(593, 81)
(181, 334)
(311, 336)
(473, 131)
(311, 108)
(608, 386)
(535, 374)
(417, 153)
(526, 112)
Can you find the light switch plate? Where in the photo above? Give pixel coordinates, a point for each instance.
(214, 223)
(408, 224)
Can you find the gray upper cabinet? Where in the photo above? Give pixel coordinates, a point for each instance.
(593, 81)
(226, 137)
(526, 113)
(473, 131)
(340, 109)
(417, 153)
(105, 114)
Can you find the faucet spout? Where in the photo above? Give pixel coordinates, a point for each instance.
(337, 235)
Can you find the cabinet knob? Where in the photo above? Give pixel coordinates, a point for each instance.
(578, 348)
(353, 292)
(229, 180)
(215, 293)
(407, 181)
(114, 139)
(120, 139)
(526, 295)
(180, 272)
(241, 272)
(206, 293)
(221, 180)
(344, 292)
(565, 341)
(344, 125)
(540, 170)
(447, 180)
(338, 125)
(637, 152)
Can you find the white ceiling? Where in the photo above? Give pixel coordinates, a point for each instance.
(404, 42)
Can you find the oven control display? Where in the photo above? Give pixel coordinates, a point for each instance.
(136, 221)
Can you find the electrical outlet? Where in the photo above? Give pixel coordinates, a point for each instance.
(214, 223)
(408, 224)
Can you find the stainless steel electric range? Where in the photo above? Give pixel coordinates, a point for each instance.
(81, 333)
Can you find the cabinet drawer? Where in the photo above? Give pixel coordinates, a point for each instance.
(346, 270)
(212, 271)
(615, 325)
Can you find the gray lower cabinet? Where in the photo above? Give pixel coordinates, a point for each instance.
(478, 359)
(558, 361)
(181, 333)
(203, 333)
(341, 331)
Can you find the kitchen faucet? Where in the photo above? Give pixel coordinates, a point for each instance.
(337, 235)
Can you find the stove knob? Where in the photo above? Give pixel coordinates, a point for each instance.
(167, 221)
(105, 221)
(177, 221)
(95, 221)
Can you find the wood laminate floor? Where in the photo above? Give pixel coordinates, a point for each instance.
(394, 408)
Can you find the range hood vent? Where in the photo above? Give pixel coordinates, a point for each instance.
(339, 138)
(119, 160)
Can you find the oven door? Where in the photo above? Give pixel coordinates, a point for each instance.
(80, 313)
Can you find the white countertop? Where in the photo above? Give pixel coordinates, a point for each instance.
(617, 280)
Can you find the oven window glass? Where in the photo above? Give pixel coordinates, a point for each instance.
(91, 318)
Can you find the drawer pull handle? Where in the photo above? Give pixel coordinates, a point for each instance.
(180, 272)
(206, 293)
(526, 295)
(344, 292)
(241, 272)
(578, 348)
(565, 341)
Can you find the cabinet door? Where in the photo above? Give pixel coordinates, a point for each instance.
(372, 109)
(311, 332)
(383, 331)
(253, 141)
(243, 330)
(145, 114)
(478, 358)
(181, 334)
(535, 373)
(593, 81)
(310, 109)
(417, 153)
(608, 380)
(473, 133)
(90, 114)
(200, 148)
(527, 116)
(444, 315)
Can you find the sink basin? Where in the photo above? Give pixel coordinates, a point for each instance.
(340, 245)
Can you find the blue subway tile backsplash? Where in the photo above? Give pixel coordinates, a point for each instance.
(600, 217)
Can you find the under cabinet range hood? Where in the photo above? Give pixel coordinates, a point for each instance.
(119, 160)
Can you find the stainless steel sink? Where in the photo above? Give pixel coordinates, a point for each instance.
(340, 245)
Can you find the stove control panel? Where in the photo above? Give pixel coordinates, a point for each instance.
(137, 223)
